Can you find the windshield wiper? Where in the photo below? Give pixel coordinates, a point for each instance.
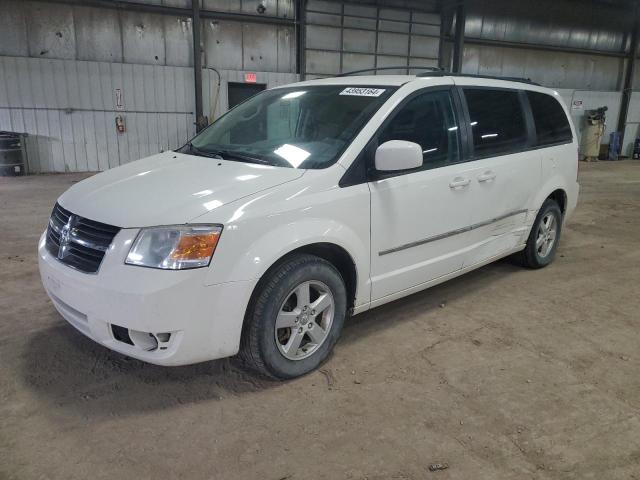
(231, 154)
(225, 154)
(192, 149)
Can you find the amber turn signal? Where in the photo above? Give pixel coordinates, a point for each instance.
(196, 246)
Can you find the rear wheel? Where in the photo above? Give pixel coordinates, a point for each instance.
(544, 237)
(295, 318)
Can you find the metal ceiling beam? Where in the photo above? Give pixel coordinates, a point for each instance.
(300, 6)
(197, 63)
(128, 6)
(629, 74)
(537, 46)
(458, 45)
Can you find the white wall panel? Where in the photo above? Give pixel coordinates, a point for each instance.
(68, 109)
(595, 99)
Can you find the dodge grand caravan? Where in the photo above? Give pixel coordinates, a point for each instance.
(305, 204)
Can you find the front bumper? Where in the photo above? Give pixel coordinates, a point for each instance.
(172, 316)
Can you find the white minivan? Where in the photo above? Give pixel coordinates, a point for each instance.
(305, 204)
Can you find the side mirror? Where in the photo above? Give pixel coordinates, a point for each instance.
(397, 155)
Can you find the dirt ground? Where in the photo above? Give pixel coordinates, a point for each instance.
(504, 373)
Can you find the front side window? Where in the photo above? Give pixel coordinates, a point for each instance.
(429, 121)
(497, 121)
(300, 127)
(551, 122)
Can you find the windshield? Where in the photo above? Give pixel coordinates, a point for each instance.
(301, 127)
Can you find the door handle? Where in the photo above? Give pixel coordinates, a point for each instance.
(487, 176)
(459, 182)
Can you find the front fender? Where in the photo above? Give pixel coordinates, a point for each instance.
(260, 230)
(265, 250)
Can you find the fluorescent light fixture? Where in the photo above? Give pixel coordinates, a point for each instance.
(430, 150)
(473, 124)
(292, 154)
(453, 129)
(490, 135)
(293, 95)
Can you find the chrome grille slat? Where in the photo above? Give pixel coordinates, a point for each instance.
(85, 242)
(100, 227)
(97, 236)
(54, 226)
(75, 238)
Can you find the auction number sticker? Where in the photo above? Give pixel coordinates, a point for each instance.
(363, 91)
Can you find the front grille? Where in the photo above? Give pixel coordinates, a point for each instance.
(76, 241)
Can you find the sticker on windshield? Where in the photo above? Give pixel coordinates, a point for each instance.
(363, 91)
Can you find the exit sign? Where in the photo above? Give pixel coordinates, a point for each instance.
(250, 77)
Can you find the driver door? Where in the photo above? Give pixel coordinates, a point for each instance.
(419, 217)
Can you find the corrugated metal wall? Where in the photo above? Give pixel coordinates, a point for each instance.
(594, 78)
(553, 24)
(553, 69)
(69, 107)
(344, 36)
(60, 67)
(590, 100)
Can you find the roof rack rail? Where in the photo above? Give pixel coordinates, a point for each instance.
(399, 67)
(473, 75)
(438, 72)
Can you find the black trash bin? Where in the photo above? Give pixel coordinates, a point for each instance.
(12, 157)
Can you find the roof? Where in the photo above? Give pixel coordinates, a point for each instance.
(398, 80)
(390, 80)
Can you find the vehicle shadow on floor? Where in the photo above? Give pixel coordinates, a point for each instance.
(72, 372)
(434, 298)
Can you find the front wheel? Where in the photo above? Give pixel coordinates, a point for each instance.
(544, 237)
(295, 318)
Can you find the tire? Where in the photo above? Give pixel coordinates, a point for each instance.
(285, 299)
(544, 237)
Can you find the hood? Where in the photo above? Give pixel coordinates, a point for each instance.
(169, 188)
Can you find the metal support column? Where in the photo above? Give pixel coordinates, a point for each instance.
(444, 46)
(197, 63)
(627, 88)
(300, 6)
(458, 45)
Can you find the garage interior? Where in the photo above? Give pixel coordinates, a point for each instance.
(501, 373)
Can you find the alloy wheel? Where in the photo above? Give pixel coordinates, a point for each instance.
(546, 237)
(304, 320)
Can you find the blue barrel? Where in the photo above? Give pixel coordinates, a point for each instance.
(614, 145)
(636, 149)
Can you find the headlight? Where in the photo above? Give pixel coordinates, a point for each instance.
(174, 248)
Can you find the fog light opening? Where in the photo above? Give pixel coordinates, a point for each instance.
(163, 337)
(163, 340)
(145, 341)
(121, 334)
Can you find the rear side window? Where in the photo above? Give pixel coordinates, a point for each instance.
(497, 121)
(551, 122)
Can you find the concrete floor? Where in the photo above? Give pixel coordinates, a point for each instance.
(520, 375)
